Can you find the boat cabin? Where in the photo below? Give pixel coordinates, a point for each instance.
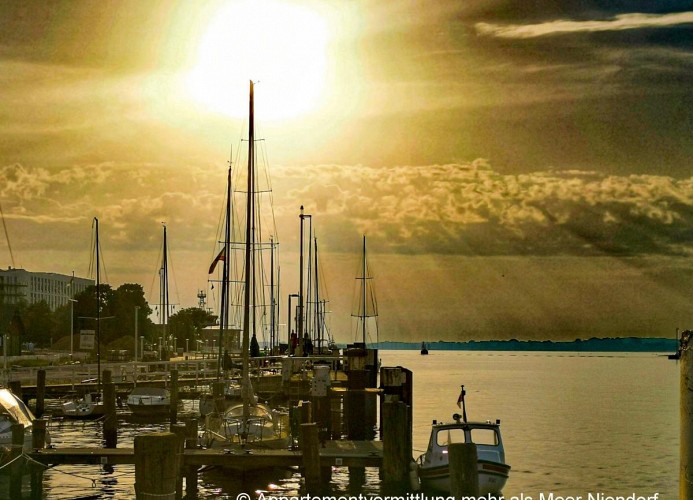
(486, 436)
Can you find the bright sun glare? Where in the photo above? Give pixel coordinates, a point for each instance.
(281, 46)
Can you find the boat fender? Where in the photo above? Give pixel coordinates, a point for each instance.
(414, 482)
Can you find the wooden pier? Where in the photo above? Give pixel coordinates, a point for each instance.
(343, 406)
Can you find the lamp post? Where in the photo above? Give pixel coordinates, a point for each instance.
(72, 326)
(137, 308)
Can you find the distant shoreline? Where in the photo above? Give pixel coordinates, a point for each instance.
(625, 344)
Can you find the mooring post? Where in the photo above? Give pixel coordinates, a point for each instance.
(110, 422)
(464, 476)
(174, 396)
(305, 415)
(396, 456)
(191, 470)
(181, 432)
(157, 464)
(40, 392)
(356, 418)
(218, 394)
(336, 416)
(16, 460)
(686, 417)
(38, 441)
(310, 449)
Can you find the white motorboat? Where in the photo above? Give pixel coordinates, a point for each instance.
(433, 465)
(88, 406)
(146, 401)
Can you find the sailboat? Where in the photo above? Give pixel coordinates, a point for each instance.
(91, 405)
(155, 401)
(366, 306)
(249, 423)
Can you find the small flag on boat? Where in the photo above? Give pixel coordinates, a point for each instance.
(460, 398)
(221, 256)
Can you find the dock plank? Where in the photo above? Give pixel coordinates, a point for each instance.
(338, 453)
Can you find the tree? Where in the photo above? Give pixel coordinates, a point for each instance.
(39, 324)
(188, 323)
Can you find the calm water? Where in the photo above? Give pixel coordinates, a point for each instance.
(572, 425)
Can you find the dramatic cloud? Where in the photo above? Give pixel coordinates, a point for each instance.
(561, 26)
(473, 210)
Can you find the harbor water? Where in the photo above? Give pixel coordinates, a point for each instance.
(573, 424)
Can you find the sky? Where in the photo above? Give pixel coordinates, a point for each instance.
(520, 169)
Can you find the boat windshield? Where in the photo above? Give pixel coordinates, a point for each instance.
(483, 436)
(445, 437)
(16, 410)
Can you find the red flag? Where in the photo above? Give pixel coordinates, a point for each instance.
(460, 398)
(221, 256)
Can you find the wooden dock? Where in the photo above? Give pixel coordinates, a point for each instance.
(333, 453)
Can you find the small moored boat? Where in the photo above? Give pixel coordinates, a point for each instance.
(433, 466)
(88, 406)
(144, 401)
(424, 349)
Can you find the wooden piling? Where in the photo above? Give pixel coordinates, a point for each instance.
(355, 403)
(174, 397)
(686, 418)
(110, 421)
(464, 475)
(40, 393)
(181, 432)
(310, 448)
(218, 394)
(38, 441)
(336, 417)
(191, 470)
(17, 462)
(396, 454)
(158, 457)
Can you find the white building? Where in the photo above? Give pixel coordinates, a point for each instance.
(56, 290)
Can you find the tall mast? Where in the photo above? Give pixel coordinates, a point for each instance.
(248, 247)
(224, 312)
(363, 290)
(318, 332)
(272, 304)
(300, 287)
(163, 287)
(98, 308)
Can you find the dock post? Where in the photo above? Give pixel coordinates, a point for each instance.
(356, 419)
(336, 416)
(110, 422)
(157, 465)
(17, 461)
(38, 441)
(310, 449)
(464, 476)
(181, 432)
(40, 393)
(174, 396)
(396, 455)
(191, 470)
(686, 417)
(218, 394)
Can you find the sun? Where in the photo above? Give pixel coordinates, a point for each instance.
(279, 45)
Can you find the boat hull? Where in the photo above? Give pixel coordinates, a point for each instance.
(492, 477)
